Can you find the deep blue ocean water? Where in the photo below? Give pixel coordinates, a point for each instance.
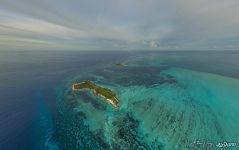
(28, 80)
(32, 83)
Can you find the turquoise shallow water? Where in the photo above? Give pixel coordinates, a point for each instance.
(161, 107)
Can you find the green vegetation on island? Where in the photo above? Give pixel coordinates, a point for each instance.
(106, 93)
(120, 64)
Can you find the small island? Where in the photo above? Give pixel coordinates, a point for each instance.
(106, 93)
(120, 65)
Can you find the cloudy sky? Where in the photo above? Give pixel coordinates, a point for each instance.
(119, 24)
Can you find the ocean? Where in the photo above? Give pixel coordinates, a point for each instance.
(168, 100)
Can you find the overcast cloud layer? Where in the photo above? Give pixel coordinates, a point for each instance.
(119, 24)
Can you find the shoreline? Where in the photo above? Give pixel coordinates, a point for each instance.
(114, 102)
